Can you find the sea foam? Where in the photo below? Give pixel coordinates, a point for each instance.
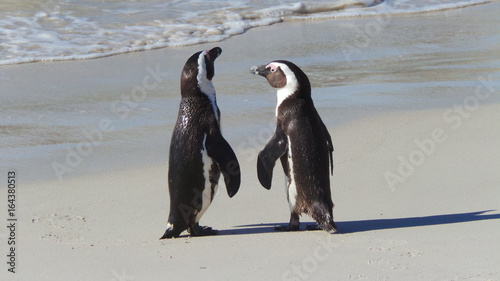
(54, 31)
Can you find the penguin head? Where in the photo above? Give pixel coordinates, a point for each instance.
(198, 72)
(284, 75)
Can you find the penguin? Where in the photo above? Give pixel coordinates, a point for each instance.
(199, 154)
(302, 143)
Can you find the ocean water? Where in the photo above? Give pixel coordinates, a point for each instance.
(52, 30)
(52, 112)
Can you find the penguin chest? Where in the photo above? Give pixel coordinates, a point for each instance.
(290, 181)
(211, 174)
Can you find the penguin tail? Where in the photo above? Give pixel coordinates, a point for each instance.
(324, 218)
(328, 225)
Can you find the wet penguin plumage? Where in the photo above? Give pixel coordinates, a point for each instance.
(199, 154)
(302, 143)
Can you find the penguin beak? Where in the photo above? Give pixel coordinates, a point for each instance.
(260, 70)
(213, 53)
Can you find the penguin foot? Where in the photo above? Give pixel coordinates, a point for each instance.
(289, 227)
(294, 224)
(312, 227)
(197, 230)
(170, 233)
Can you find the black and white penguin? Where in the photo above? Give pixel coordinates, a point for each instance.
(198, 152)
(302, 142)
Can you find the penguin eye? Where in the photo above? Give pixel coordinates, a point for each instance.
(272, 69)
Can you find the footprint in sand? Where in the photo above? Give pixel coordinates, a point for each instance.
(65, 229)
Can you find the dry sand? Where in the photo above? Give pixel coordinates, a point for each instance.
(414, 118)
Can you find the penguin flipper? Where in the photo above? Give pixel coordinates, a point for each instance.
(330, 144)
(274, 149)
(221, 152)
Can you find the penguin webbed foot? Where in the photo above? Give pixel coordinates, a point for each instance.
(288, 227)
(197, 230)
(294, 224)
(313, 227)
(170, 233)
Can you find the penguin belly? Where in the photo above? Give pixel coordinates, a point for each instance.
(211, 174)
(292, 186)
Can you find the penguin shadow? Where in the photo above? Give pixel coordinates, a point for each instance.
(384, 224)
(346, 227)
(261, 228)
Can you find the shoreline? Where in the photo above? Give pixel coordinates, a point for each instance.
(111, 89)
(367, 11)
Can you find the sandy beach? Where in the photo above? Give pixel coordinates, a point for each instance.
(412, 103)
